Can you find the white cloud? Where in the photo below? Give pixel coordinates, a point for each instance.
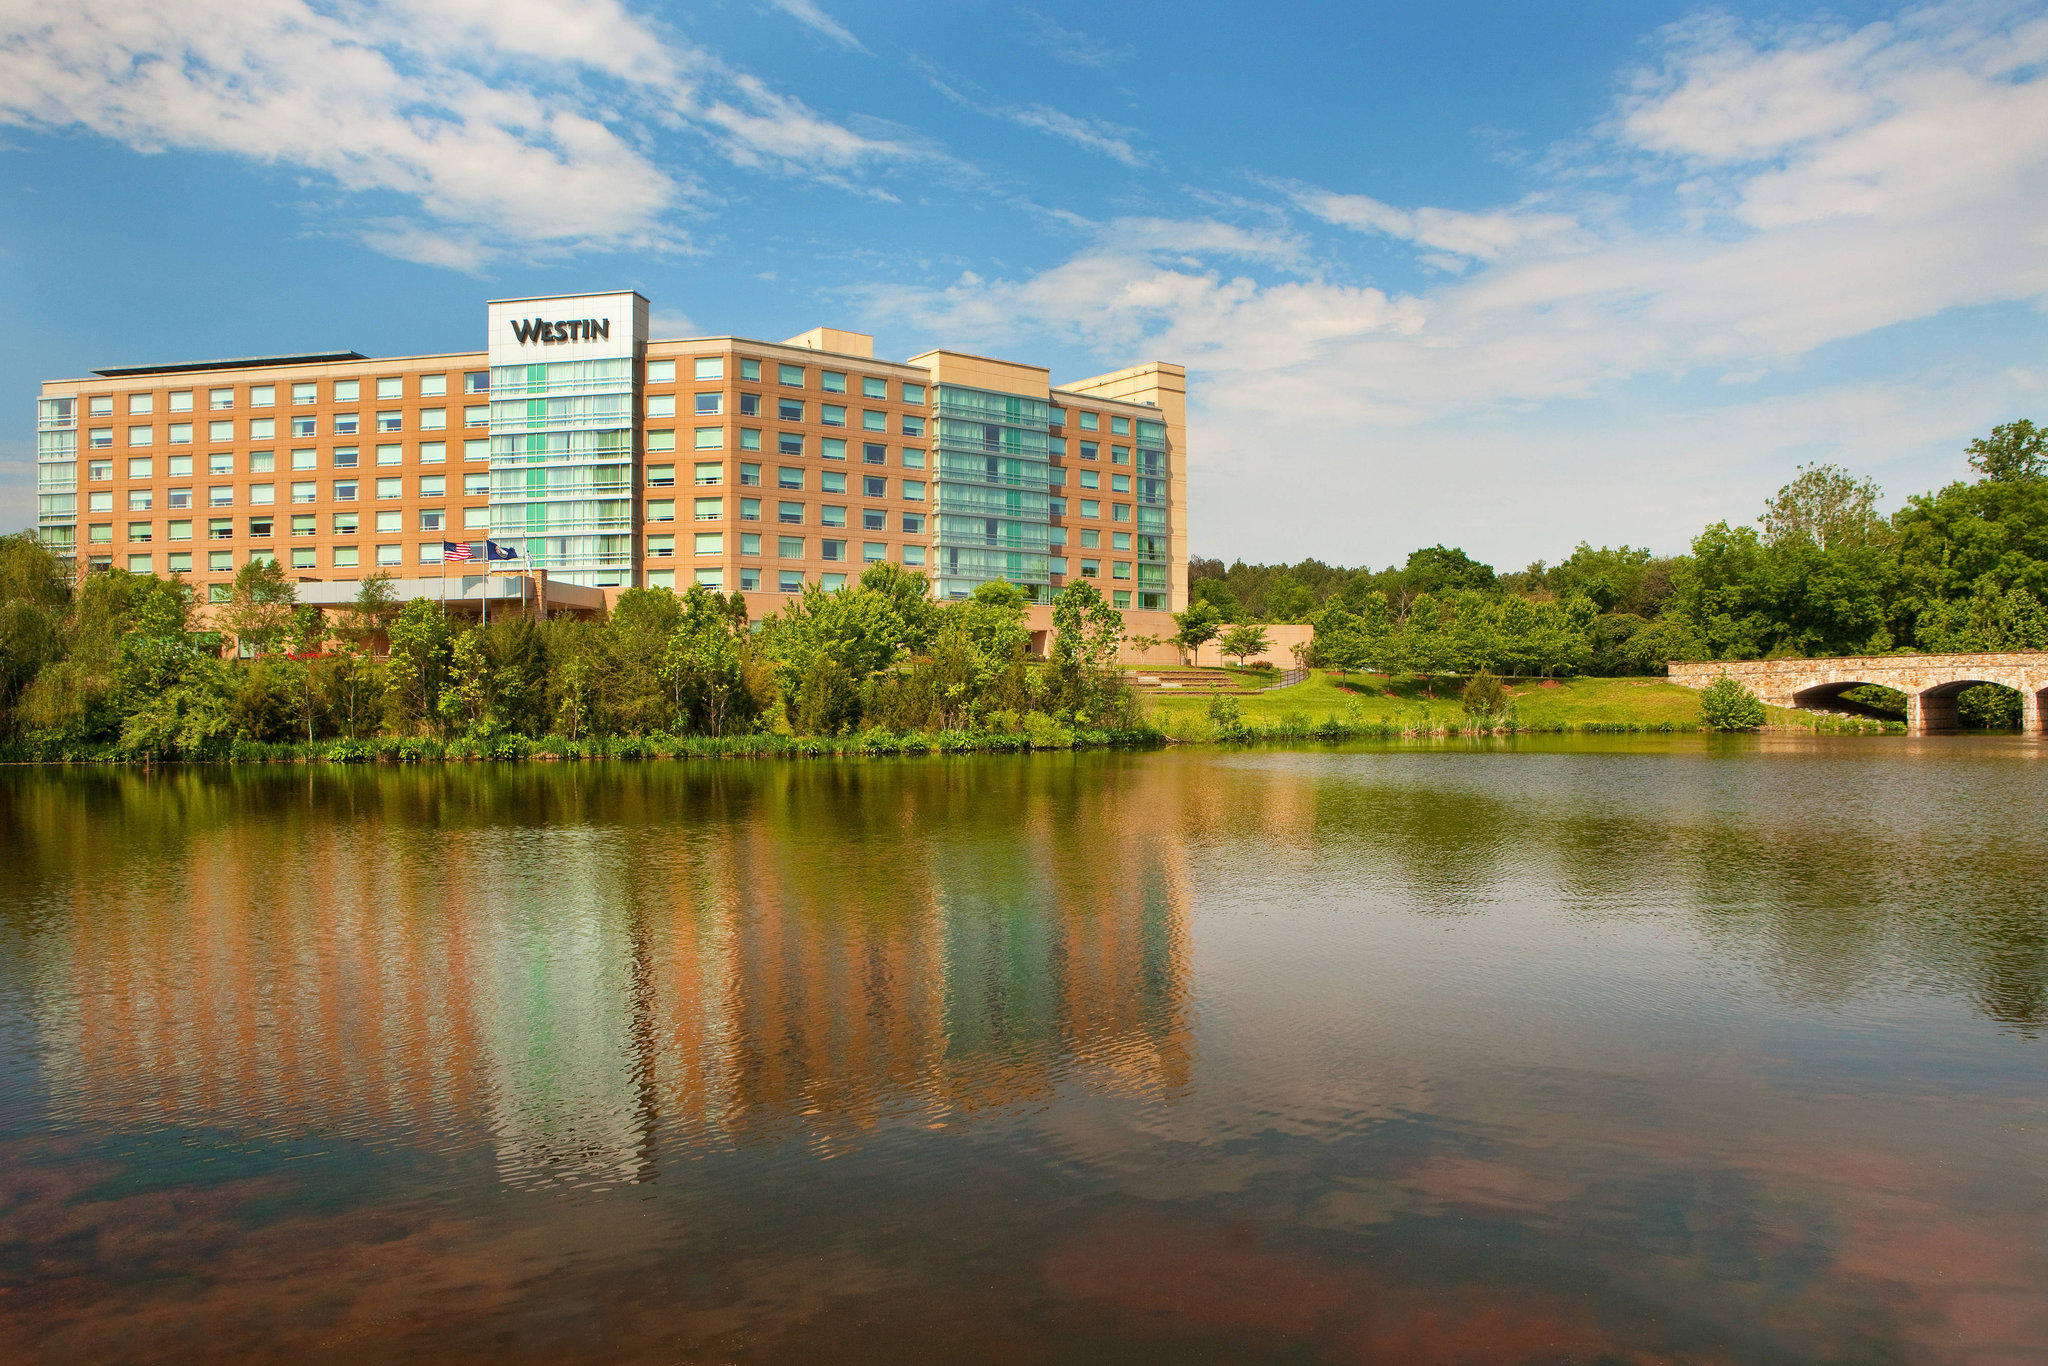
(1755, 197)
(807, 13)
(510, 126)
(1096, 135)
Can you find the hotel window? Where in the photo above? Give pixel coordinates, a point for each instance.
(913, 524)
(914, 393)
(1091, 538)
(263, 429)
(261, 528)
(1120, 540)
(789, 547)
(710, 472)
(832, 448)
(790, 376)
(433, 386)
(661, 441)
(178, 562)
(832, 516)
(347, 557)
(1120, 569)
(1057, 477)
(661, 372)
(1120, 598)
(262, 462)
(302, 557)
(433, 519)
(141, 467)
(791, 513)
(874, 519)
(661, 476)
(913, 554)
(262, 495)
(662, 578)
(1090, 508)
(873, 552)
(345, 457)
(305, 491)
(830, 414)
(831, 550)
(710, 439)
(1089, 450)
(661, 510)
(391, 386)
(913, 490)
(180, 434)
(874, 420)
(304, 524)
(750, 474)
(100, 405)
(789, 477)
(874, 486)
(1119, 455)
(661, 545)
(344, 490)
(750, 405)
(345, 424)
(710, 543)
(1056, 417)
(750, 438)
(433, 419)
(476, 519)
(1119, 483)
(390, 554)
(219, 561)
(141, 436)
(221, 429)
(180, 466)
(178, 498)
(1119, 426)
(138, 564)
(832, 481)
(789, 410)
(220, 592)
(100, 437)
(303, 427)
(913, 426)
(347, 390)
(391, 453)
(99, 469)
(1056, 445)
(1121, 511)
(750, 543)
(708, 509)
(476, 382)
(477, 415)
(1090, 479)
(220, 528)
(750, 509)
(790, 581)
(347, 523)
(832, 381)
(873, 386)
(138, 531)
(661, 405)
(710, 405)
(1057, 506)
(433, 486)
(139, 404)
(874, 453)
(750, 369)
(262, 395)
(1091, 422)
(477, 449)
(433, 452)
(708, 367)
(1091, 569)
(138, 500)
(305, 395)
(831, 583)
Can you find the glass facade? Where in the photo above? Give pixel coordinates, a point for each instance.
(992, 492)
(562, 462)
(57, 474)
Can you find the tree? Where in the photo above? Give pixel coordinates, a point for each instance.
(1245, 641)
(1087, 635)
(1484, 695)
(259, 612)
(34, 593)
(2013, 453)
(1726, 705)
(1195, 627)
(1825, 506)
(418, 667)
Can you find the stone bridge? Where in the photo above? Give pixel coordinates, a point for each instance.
(1930, 682)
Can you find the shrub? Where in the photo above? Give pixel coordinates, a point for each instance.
(1726, 705)
(1484, 696)
(1227, 717)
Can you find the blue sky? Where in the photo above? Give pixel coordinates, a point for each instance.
(1506, 276)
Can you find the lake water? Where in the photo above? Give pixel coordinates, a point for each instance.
(1620, 1050)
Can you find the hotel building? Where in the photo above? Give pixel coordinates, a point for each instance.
(607, 460)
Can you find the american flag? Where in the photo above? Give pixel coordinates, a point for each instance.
(451, 551)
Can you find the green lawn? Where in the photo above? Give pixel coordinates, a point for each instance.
(1568, 702)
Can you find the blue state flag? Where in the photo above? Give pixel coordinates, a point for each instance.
(492, 550)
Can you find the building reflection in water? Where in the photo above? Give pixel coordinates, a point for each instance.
(595, 972)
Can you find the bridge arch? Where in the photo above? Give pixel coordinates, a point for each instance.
(1933, 710)
(1930, 683)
